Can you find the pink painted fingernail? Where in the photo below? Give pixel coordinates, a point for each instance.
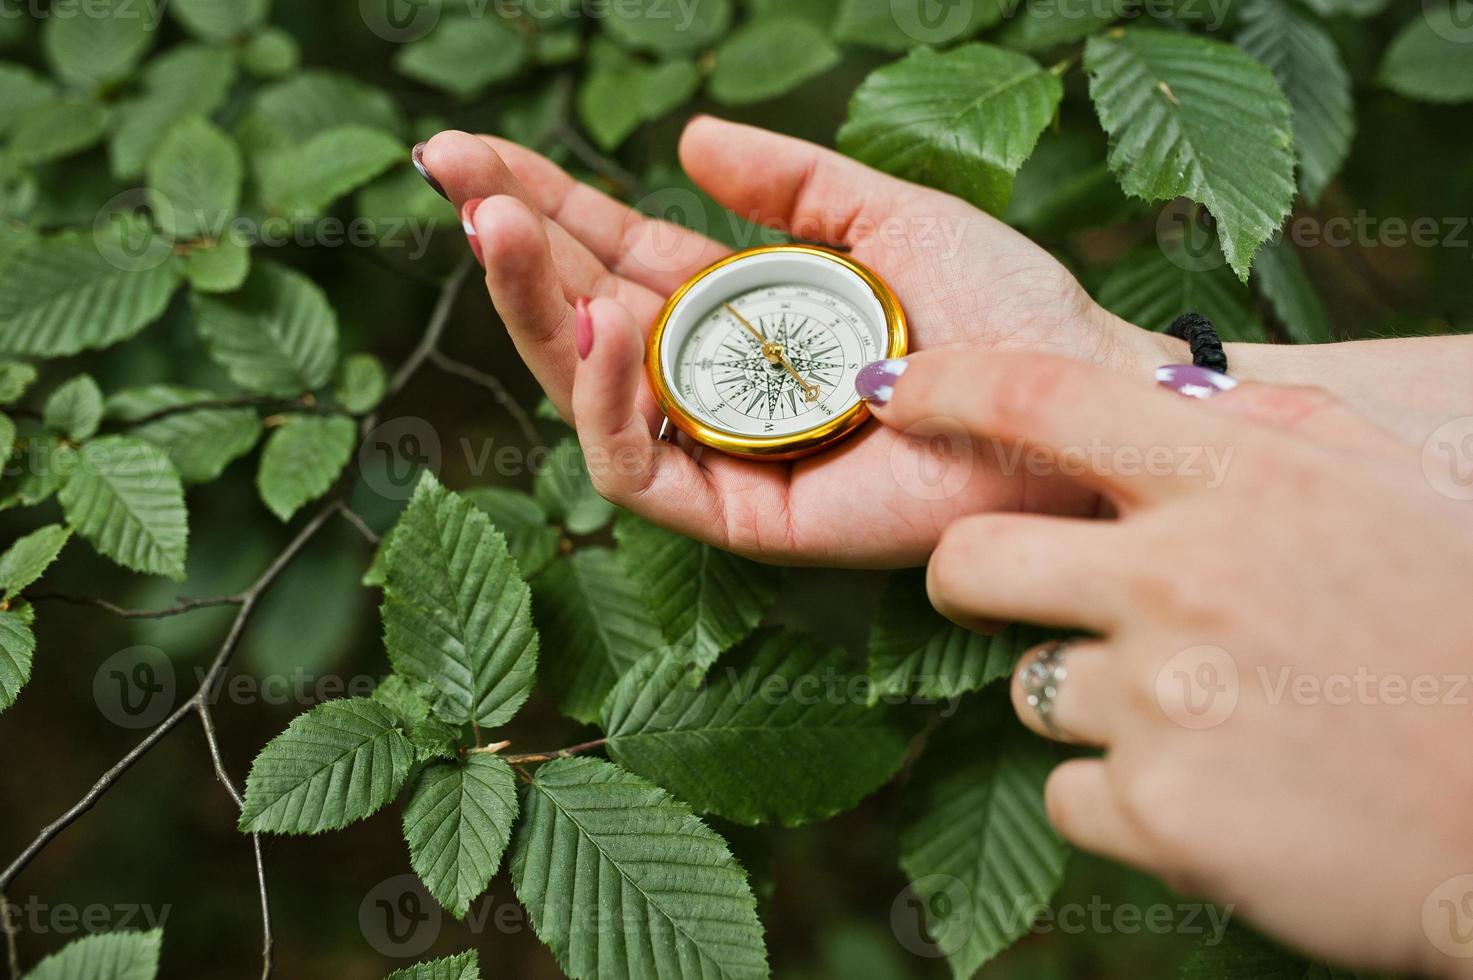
(584, 331)
(467, 216)
(1192, 381)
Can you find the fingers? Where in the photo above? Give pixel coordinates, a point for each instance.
(1081, 709)
(659, 255)
(1122, 436)
(1086, 811)
(804, 189)
(1307, 411)
(1045, 570)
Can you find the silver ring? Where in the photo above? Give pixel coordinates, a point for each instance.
(1041, 681)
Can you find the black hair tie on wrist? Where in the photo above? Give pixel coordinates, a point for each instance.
(1201, 336)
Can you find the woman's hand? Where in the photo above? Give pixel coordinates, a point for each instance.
(967, 280)
(1282, 642)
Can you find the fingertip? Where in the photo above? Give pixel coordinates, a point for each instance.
(511, 236)
(877, 380)
(466, 166)
(613, 331)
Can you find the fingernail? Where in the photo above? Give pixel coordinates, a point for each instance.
(876, 380)
(467, 213)
(584, 331)
(1193, 381)
(419, 164)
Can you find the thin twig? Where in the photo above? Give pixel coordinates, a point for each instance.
(531, 757)
(433, 332)
(234, 401)
(492, 384)
(606, 167)
(359, 524)
(183, 606)
(12, 950)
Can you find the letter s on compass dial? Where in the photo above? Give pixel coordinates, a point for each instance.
(756, 355)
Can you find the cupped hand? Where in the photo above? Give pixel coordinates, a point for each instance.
(967, 281)
(1278, 657)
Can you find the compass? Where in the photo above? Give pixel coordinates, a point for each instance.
(756, 355)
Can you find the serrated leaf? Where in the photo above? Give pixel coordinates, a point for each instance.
(277, 336)
(456, 614)
(200, 443)
(25, 561)
(57, 129)
(1194, 117)
(361, 383)
(109, 956)
(1304, 59)
(704, 599)
(594, 627)
(17, 650)
(782, 736)
(1150, 290)
(976, 843)
(770, 57)
(962, 121)
(189, 80)
(896, 25)
(15, 378)
(74, 409)
(1241, 954)
(302, 460)
(101, 43)
(218, 267)
(194, 180)
(1279, 276)
(1431, 57)
(532, 542)
(457, 823)
(1039, 25)
(304, 180)
(338, 763)
(1347, 8)
(84, 290)
(24, 90)
(7, 440)
(915, 651)
(220, 20)
(32, 476)
(565, 492)
(461, 967)
(312, 102)
(465, 55)
(123, 495)
(620, 93)
(621, 879)
(658, 27)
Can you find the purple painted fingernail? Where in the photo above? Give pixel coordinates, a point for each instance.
(419, 164)
(1193, 381)
(876, 380)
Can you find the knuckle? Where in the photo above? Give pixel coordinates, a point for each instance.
(954, 562)
(1026, 387)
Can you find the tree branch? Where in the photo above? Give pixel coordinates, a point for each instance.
(12, 951)
(183, 606)
(433, 332)
(532, 757)
(359, 524)
(492, 384)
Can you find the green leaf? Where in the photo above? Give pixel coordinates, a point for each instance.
(124, 496)
(620, 93)
(84, 290)
(1194, 117)
(1241, 954)
(335, 764)
(1304, 59)
(915, 651)
(594, 626)
(783, 736)
(312, 102)
(976, 843)
(35, 475)
(563, 489)
(361, 383)
(24, 90)
(277, 336)
(705, 599)
(896, 25)
(1280, 277)
(962, 122)
(23, 564)
(465, 55)
(457, 823)
(1347, 8)
(220, 20)
(75, 408)
(663, 28)
(101, 42)
(200, 443)
(461, 967)
(189, 80)
(273, 53)
(17, 650)
(109, 956)
(7, 440)
(770, 57)
(1151, 290)
(1431, 57)
(305, 180)
(56, 129)
(522, 522)
(218, 267)
(456, 614)
(302, 460)
(1039, 25)
(15, 378)
(621, 879)
(194, 181)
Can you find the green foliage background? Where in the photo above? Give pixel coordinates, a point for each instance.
(189, 360)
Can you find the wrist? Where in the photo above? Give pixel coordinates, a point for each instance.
(1136, 351)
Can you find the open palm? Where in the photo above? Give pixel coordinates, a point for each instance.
(880, 498)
